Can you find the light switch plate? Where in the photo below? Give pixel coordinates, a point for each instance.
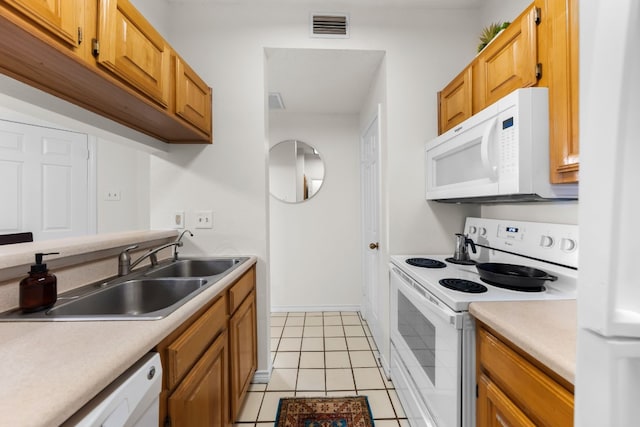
(204, 219)
(178, 219)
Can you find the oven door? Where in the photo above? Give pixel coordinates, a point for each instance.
(427, 338)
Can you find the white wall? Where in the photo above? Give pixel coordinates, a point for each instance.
(315, 257)
(500, 10)
(125, 169)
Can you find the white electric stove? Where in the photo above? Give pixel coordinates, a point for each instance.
(432, 333)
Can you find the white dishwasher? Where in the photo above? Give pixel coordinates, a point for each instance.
(130, 400)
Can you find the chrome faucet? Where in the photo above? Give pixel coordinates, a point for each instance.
(175, 249)
(124, 259)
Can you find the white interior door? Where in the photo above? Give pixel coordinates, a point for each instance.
(44, 172)
(370, 181)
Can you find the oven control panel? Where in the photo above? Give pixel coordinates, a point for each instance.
(557, 243)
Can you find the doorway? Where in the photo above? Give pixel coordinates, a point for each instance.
(316, 260)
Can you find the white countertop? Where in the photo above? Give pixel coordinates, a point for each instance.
(49, 370)
(546, 330)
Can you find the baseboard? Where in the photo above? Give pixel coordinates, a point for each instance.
(262, 377)
(312, 308)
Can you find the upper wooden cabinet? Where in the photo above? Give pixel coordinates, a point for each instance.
(455, 101)
(127, 76)
(193, 96)
(129, 47)
(509, 62)
(539, 48)
(59, 18)
(558, 53)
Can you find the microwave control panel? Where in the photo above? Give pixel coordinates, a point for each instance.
(507, 140)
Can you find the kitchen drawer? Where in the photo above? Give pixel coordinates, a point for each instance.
(241, 289)
(541, 398)
(185, 351)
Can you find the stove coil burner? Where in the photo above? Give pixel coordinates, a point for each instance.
(455, 261)
(463, 286)
(426, 263)
(516, 288)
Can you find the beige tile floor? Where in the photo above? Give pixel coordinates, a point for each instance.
(322, 354)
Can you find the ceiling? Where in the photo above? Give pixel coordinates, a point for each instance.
(322, 81)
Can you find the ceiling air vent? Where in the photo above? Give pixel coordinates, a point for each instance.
(332, 25)
(275, 101)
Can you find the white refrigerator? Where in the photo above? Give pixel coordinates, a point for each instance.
(607, 382)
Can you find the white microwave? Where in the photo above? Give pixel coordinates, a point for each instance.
(501, 154)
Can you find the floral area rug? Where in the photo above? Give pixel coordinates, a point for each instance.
(324, 412)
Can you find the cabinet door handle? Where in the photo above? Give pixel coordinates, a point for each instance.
(374, 245)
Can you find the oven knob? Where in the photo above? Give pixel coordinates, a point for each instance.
(483, 231)
(472, 229)
(568, 245)
(546, 241)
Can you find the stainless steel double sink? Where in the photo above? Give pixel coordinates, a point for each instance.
(142, 295)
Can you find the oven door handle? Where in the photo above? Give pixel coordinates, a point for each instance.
(435, 306)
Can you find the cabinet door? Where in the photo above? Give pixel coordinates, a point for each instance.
(193, 97)
(133, 50)
(509, 61)
(59, 18)
(559, 57)
(243, 348)
(454, 102)
(495, 409)
(201, 399)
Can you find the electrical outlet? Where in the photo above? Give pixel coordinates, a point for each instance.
(204, 219)
(112, 195)
(178, 219)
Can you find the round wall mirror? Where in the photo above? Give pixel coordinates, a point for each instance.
(296, 171)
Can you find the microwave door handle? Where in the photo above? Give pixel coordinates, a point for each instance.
(487, 139)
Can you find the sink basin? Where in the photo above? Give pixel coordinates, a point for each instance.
(141, 295)
(134, 298)
(196, 267)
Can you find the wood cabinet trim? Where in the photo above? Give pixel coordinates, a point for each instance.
(201, 398)
(183, 353)
(242, 346)
(509, 61)
(193, 98)
(494, 406)
(544, 400)
(240, 289)
(63, 25)
(150, 76)
(455, 101)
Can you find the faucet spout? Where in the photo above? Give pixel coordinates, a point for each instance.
(124, 259)
(179, 243)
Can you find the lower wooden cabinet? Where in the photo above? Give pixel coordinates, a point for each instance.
(209, 361)
(201, 398)
(513, 390)
(495, 409)
(243, 346)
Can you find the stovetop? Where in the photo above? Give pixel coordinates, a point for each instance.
(549, 247)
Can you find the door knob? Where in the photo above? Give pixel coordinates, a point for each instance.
(373, 245)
